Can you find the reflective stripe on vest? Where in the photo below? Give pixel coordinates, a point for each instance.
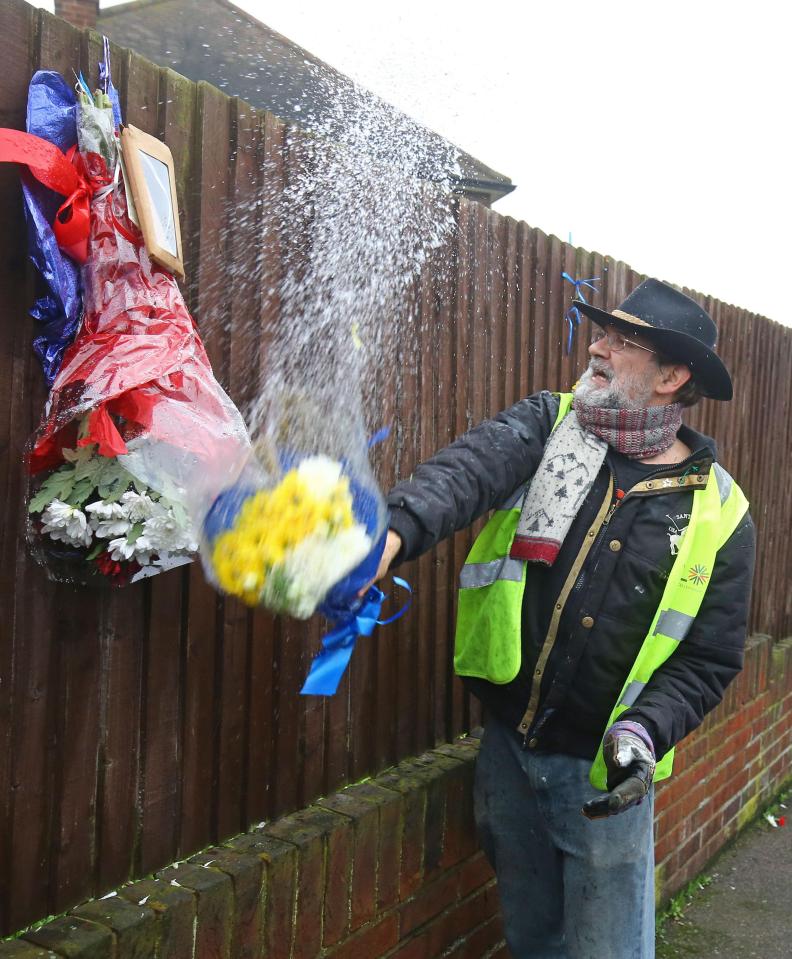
(488, 641)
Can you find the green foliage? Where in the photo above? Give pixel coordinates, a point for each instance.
(84, 474)
(58, 485)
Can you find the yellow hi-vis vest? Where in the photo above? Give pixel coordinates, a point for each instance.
(488, 642)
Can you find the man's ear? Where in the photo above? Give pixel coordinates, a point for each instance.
(673, 377)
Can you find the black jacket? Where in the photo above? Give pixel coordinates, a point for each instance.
(616, 592)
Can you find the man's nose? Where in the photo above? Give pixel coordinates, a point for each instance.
(599, 347)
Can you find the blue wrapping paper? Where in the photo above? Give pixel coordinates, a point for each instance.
(51, 114)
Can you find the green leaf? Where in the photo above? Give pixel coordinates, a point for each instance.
(134, 533)
(81, 492)
(58, 485)
(100, 547)
(113, 481)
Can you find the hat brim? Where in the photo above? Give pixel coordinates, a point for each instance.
(709, 373)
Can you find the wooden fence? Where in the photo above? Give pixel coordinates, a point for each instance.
(139, 725)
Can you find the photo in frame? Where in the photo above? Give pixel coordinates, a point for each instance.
(148, 164)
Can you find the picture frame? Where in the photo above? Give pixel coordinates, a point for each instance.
(151, 177)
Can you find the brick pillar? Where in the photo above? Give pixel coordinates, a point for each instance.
(80, 13)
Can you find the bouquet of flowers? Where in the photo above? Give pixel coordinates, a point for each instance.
(286, 546)
(135, 423)
(92, 513)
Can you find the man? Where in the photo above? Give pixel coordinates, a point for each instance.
(602, 613)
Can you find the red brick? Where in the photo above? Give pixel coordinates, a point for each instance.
(134, 927)
(460, 829)
(369, 942)
(279, 860)
(412, 850)
(71, 936)
(430, 900)
(474, 873)
(480, 942)
(389, 853)
(456, 922)
(364, 818)
(388, 804)
(20, 949)
(214, 908)
(308, 830)
(80, 13)
(246, 874)
(338, 883)
(175, 910)
(668, 842)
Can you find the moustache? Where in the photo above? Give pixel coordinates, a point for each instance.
(598, 366)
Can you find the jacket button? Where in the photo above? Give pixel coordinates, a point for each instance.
(587, 621)
(615, 546)
(533, 742)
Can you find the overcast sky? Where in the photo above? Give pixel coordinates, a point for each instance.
(653, 132)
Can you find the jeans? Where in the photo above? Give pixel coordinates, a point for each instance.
(570, 888)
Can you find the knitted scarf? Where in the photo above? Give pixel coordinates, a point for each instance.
(572, 458)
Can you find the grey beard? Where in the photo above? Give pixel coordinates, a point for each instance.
(629, 394)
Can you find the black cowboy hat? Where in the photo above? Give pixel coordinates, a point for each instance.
(677, 326)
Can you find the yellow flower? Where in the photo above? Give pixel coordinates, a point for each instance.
(273, 522)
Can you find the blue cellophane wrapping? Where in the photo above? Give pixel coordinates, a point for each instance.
(342, 600)
(51, 114)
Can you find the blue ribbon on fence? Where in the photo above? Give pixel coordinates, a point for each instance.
(572, 315)
(106, 82)
(338, 645)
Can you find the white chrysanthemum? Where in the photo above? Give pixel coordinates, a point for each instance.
(67, 524)
(122, 550)
(312, 568)
(108, 520)
(321, 474)
(164, 534)
(140, 506)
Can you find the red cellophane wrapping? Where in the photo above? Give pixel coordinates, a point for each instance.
(139, 370)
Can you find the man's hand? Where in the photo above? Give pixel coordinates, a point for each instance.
(630, 761)
(393, 543)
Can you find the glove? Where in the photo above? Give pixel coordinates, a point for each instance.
(630, 761)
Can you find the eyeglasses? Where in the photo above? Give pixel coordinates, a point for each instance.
(616, 342)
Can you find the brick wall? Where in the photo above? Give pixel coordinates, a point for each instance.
(387, 867)
(729, 769)
(390, 868)
(79, 13)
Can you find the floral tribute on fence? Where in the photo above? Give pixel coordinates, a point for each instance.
(141, 460)
(134, 413)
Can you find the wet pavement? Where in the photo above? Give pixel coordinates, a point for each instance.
(744, 910)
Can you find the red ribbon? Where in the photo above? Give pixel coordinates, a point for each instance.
(65, 173)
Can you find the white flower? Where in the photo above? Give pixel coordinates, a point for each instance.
(164, 534)
(121, 550)
(140, 506)
(108, 519)
(321, 474)
(312, 568)
(66, 523)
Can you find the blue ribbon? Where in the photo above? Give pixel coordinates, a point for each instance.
(330, 663)
(572, 316)
(106, 82)
(379, 436)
